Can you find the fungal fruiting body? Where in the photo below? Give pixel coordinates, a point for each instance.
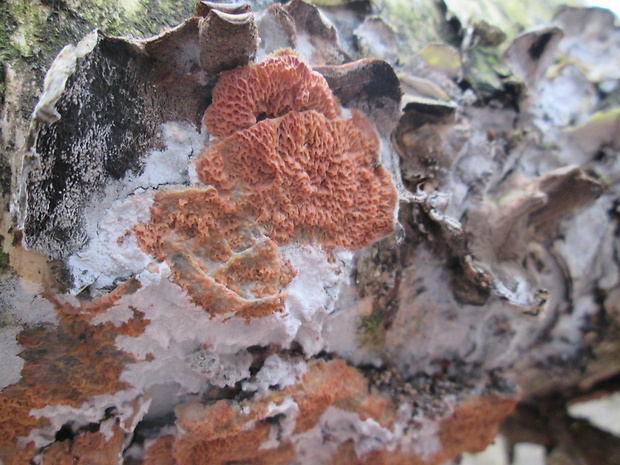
(230, 288)
(284, 168)
(281, 83)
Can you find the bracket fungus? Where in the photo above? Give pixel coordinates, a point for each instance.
(226, 40)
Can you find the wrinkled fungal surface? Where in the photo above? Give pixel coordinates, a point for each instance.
(279, 84)
(298, 176)
(315, 233)
(307, 176)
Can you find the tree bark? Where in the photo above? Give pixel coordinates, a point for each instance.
(371, 249)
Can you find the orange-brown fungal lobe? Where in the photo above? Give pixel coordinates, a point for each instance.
(92, 448)
(195, 219)
(307, 176)
(225, 432)
(279, 84)
(284, 167)
(65, 364)
(215, 253)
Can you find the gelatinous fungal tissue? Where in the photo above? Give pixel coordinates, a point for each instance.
(268, 258)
